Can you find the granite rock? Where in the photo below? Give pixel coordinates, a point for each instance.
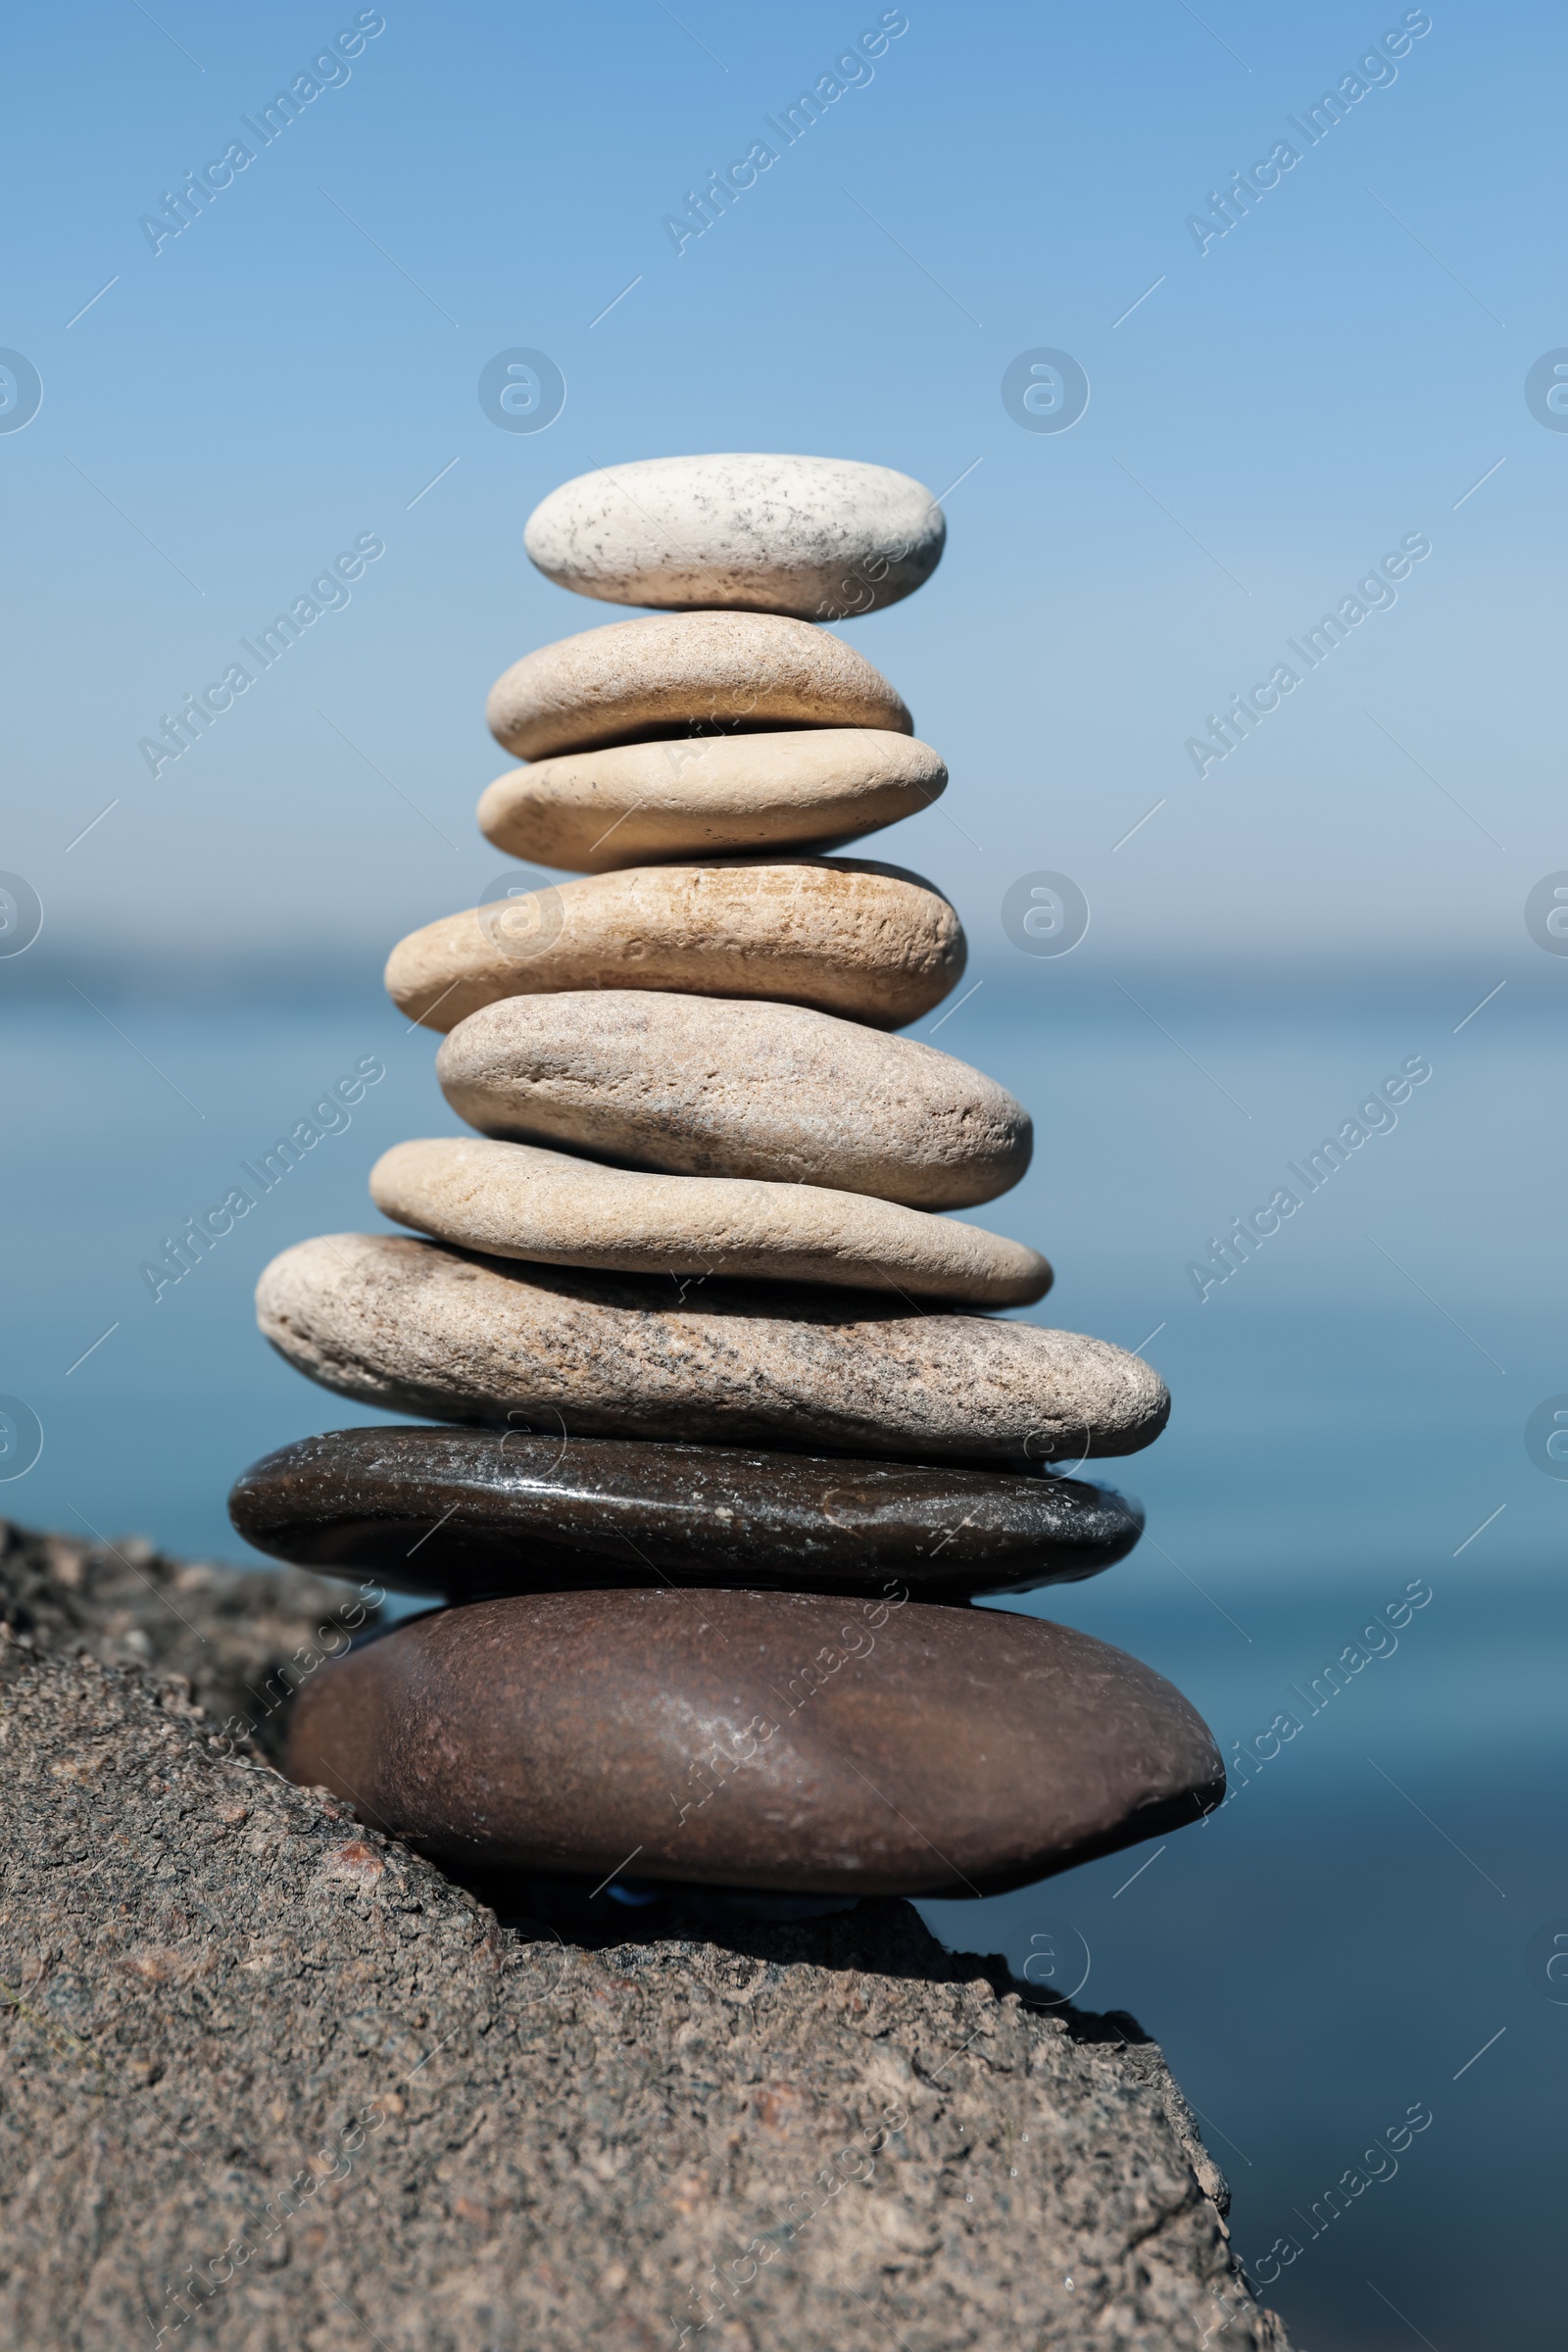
(285, 1986)
(788, 1741)
(462, 1514)
(517, 1201)
(710, 797)
(699, 1085)
(239, 1641)
(415, 1326)
(686, 673)
(818, 537)
(868, 942)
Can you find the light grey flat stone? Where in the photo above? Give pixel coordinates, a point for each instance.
(708, 797)
(704, 1086)
(821, 538)
(679, 673)
(868, 942)
(517, 1201)
(422, 1330)
(415, 1326)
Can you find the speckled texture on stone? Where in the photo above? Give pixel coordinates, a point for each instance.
(415, 1326)
(519, 1200)
(712, 796)
(467, 1512)
(791, 1741)
(698, 1085)
(680, 673)
(868, 942)
(295, 2061)
(820, 537)
(242, 1640)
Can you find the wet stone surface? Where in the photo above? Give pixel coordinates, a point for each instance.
(460, 1513)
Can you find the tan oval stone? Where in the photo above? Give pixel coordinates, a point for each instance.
(708, 797)
(701, 1086)
(705, 672)
(869, 942)
(517, 1201)
(415, 1327)
(820, 537)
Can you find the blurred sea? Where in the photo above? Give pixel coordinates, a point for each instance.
(1351, 1938)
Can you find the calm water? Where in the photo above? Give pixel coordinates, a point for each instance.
(1337, 1946)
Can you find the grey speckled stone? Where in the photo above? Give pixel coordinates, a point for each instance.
(238, 1638)
(683, 673)
(865, 940)
(468, 1513)
(820, 537)
(785, 1741)
(698, 1085)
(293, 2007)
(517, 1201)
(709, 796)
(417, 1328)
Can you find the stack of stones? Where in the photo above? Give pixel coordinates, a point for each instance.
(727, 1437)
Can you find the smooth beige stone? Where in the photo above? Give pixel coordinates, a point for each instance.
(818, 537)
(708, 797)
(415, 1326)
(517, 1201)
(869, 942)
(686, 672)
(699, 1085)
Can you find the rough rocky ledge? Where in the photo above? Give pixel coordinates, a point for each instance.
(272, 2080)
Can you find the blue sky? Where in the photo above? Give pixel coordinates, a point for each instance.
(1285, 407)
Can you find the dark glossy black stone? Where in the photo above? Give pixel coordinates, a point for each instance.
(467, 1512)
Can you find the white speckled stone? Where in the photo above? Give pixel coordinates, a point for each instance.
(415, 1326)
(515, 1201)
(679, 673)
(704, 1086)
(821, 538)
(708, 797)
(867, 941)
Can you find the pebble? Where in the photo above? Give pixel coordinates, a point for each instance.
(820, 537)
(415, 1326)
(698, 1086)
(709, 796)
(867, 941)
(787, 1740)
(517, 1201)
(683, 673)
(465, 1512)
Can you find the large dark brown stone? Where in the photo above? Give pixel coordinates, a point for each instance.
(469, 1512)
(767, 1739)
